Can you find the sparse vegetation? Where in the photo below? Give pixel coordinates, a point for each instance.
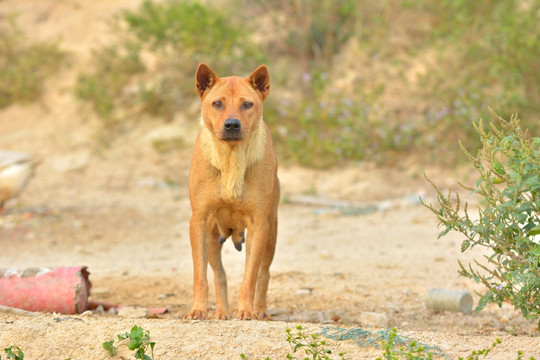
(310, 345)
(25, 64)
(490, 46)
(508, 219)
(321, 110)
(412, 352)
(150, 69)
(393, 348)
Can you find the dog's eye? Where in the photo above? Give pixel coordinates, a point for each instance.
(247, 105)
(217, 104)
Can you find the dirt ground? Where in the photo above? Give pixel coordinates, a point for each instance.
(124, 213)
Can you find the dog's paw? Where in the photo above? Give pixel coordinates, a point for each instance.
(245, 315)
(262, 314)
(196, 315)
(221, 315)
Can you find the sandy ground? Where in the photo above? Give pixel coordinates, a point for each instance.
(115, 211)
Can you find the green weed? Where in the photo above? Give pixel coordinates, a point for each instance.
(323, 110)
(508, 225)
(309, 31)
(137, 340)
(413, 351)
(105, 87)
(150, 69)
(342, 127)
(310, 345)
(475, 354)
(13, 352)
(315, 349)
(490, 46)
(25, 65)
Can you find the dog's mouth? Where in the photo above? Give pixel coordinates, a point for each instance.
(231, 136)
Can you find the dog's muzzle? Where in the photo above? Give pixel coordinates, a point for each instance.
(232, 130)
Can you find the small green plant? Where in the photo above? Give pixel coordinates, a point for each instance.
(475, 354)
(310, 345)
(508, 220)
(25, 65)
(139, 342)
(413, 350)
(13, 352)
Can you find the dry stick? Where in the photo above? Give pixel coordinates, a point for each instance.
(15, 311)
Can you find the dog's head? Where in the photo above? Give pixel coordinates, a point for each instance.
(232, 106)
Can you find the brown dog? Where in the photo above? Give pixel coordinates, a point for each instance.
(233, 186)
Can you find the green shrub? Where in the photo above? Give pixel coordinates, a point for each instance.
(150, 68)
(104, 88)
(321, 131)
(25, 65)
(487, 57)
(472, 54)
(508, 223)
(309, 31)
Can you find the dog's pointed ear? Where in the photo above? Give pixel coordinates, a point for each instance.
(260, 81)
(205, 79)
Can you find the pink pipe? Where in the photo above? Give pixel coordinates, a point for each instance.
(63, 290)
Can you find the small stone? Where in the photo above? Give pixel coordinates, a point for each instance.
(87, 313)
(165, 295)
(100, 291)
(372, 319)
(111, 311)
(303, 291)
(132, 312)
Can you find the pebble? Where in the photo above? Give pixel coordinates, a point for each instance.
(165, 295)
(132, 312)
(311, 316)
(303, 291)
(87, 313)
(372, 319)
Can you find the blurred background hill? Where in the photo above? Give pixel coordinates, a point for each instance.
(381, 82)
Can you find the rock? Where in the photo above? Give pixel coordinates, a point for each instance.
(71, 162)
(87, 313)
(303, 291)
(311, 316)
(132, 312)
(372, 319)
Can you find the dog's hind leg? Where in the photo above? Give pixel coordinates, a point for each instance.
(220, 278)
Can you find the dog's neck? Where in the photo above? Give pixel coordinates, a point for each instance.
(232, 160)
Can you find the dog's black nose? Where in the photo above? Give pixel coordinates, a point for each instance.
(232, 125)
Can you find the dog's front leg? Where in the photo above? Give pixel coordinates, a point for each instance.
(255, 247)
(199, 236)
